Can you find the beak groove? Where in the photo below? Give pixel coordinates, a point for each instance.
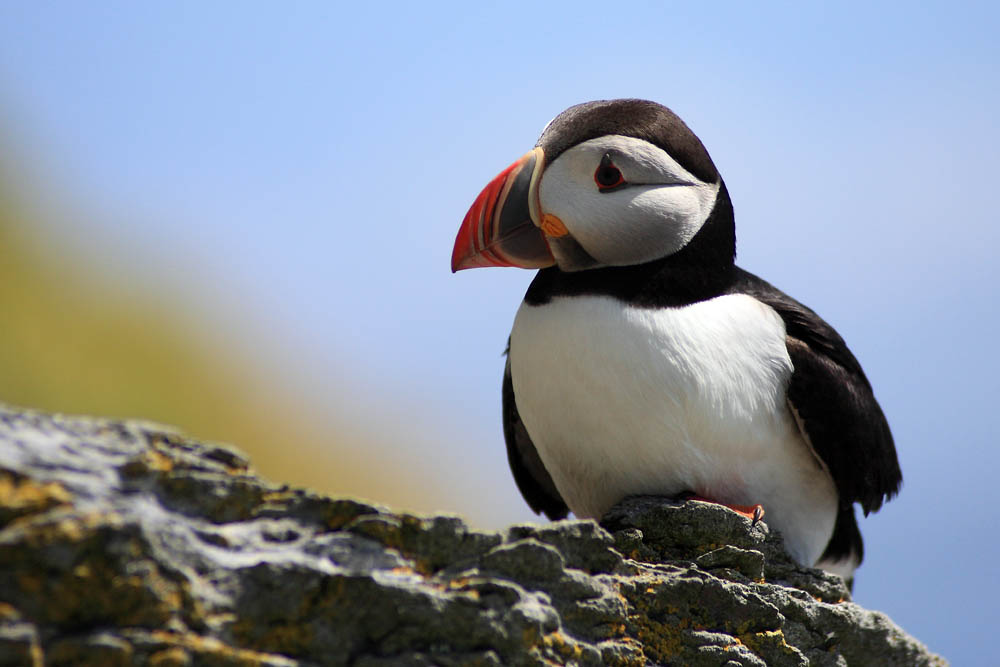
(502, 225)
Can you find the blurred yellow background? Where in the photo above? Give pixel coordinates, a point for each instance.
(72, 341)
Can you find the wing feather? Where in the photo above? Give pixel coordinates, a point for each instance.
(533, 480)
(833, 402)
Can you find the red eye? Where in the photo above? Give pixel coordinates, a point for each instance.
(608, 177)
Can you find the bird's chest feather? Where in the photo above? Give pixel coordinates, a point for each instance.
(621, 400)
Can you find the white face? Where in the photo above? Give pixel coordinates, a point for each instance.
(656, 213)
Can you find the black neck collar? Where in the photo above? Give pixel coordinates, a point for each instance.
(702, 270)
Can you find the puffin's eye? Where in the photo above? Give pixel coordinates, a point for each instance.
(608, 177)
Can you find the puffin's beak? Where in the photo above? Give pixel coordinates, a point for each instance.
(501, 228)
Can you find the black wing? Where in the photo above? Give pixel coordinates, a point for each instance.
(836, 409)
(532, 478)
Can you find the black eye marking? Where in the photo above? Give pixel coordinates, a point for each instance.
(608, 177)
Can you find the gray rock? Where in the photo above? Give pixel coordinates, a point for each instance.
(127, 543)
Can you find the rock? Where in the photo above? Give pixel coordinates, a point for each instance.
(126, 543)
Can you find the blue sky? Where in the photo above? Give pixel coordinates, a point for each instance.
(299, 171)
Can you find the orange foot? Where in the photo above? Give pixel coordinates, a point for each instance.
(753, 512)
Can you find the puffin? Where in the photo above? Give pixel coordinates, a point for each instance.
(644, 361)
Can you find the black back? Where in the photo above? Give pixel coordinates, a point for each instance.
(834, 400)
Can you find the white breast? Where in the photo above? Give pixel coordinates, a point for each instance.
(621, 400)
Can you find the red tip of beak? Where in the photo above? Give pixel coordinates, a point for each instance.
(472, 245)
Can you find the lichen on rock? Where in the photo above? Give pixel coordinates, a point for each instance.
(126, 543)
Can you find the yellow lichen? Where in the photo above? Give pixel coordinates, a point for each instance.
(767, 641)
(9, 612)
(660, 642)
(209, 647)
(175, 656)
(565, 647)
(21, 496)
(156, 460)
(286, 638)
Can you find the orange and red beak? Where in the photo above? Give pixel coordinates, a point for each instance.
(502, 226)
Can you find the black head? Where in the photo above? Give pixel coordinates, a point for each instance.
(641, 119)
